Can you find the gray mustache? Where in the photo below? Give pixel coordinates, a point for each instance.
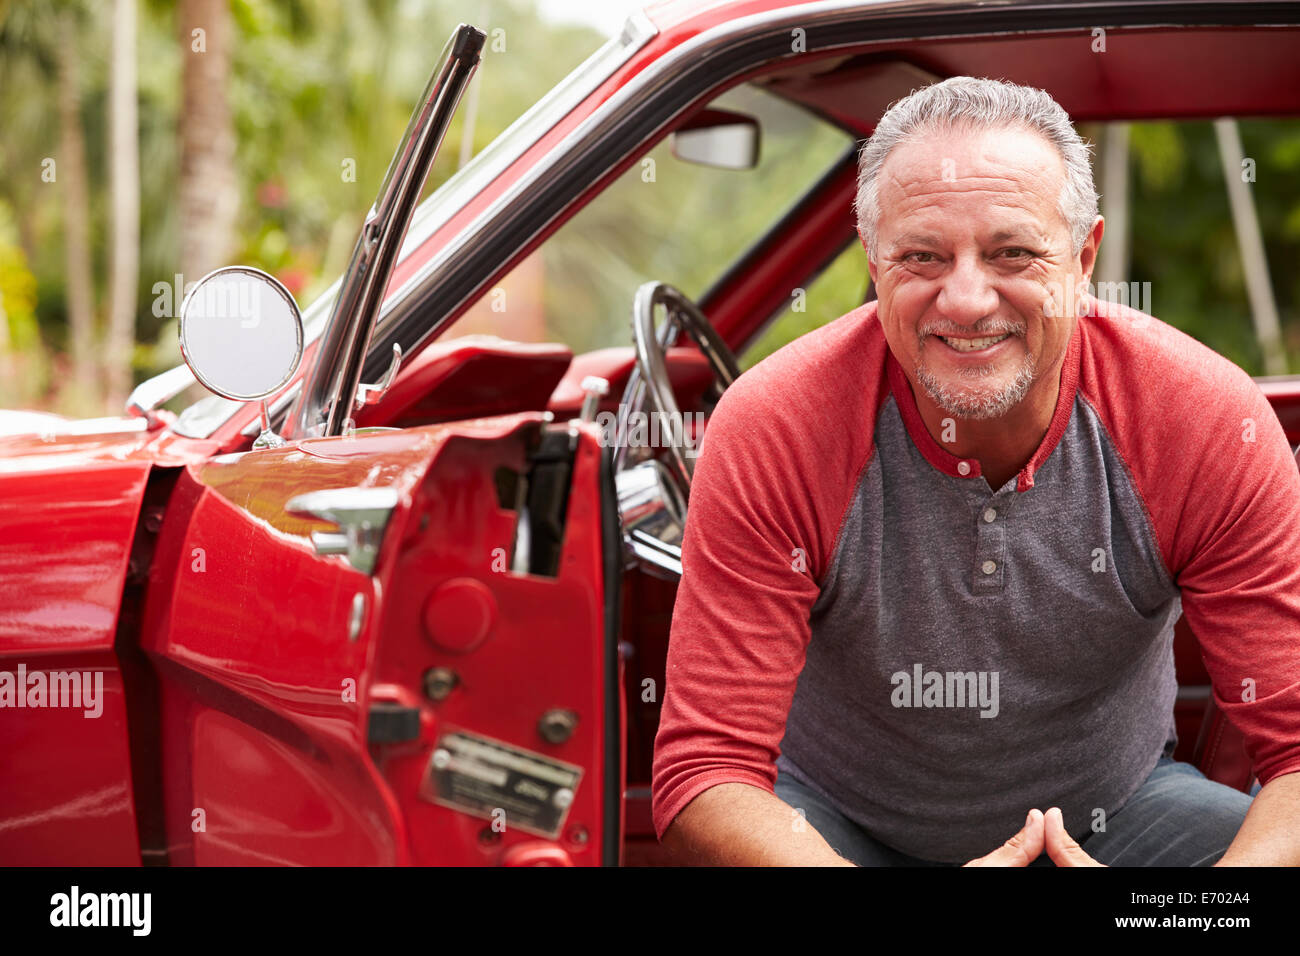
(975, 332)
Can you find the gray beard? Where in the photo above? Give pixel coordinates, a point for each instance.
(981, 404)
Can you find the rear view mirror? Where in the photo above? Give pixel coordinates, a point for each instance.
(718, 138)
(241, 335)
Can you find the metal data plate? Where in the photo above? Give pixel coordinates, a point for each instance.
(482, 777)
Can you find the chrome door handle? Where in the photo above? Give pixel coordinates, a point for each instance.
(361, 515)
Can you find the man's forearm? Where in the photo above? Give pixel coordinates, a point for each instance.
(735, 824)
(1270, 834)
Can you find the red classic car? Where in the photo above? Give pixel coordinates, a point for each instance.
(424, 621)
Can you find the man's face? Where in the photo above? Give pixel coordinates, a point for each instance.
(970, 245)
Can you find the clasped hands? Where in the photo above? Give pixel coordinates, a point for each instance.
(1042, 831)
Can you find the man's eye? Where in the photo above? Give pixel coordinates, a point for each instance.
(1015, 253)
(919, 257)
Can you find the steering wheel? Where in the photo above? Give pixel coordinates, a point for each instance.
(652, 365)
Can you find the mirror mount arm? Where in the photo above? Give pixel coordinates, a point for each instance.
(267, 438)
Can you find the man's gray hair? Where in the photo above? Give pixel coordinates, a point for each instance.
(966, 101)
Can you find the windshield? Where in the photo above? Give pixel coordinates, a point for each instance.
(204, 417)
(659, 220)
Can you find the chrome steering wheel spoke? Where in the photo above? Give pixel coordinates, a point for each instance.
(653, 492)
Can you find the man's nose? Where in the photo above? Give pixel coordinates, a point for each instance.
(967, 294)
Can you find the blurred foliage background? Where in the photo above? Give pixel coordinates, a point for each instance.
(262, 138)
(267, 152)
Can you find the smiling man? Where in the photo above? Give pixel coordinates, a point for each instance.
(936, 549)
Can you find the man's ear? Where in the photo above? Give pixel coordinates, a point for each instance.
(1091, 245)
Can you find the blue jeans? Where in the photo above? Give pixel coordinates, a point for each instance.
(1177, 817)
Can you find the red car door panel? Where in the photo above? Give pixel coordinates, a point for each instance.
(272, 685)
(521, 649)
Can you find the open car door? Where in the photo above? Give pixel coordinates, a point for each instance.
(385, 646)
(391, 647)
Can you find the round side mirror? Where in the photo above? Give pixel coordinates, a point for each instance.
(241, 333)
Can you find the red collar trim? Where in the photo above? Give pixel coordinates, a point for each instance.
(1064, 408)
(933, 452)
(950, 464)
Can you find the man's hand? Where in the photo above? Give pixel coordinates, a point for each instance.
(1040, 831)
(1022, 849)
(1061, 846)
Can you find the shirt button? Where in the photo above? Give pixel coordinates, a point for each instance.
(989, 567)
(963, 468)
(990, 514)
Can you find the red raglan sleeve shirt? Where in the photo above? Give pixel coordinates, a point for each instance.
(779, 465)
(776, 471)
(1218, 478)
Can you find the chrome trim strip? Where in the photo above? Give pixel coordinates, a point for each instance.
(536, 122)
(151, 393)
(654, 557)
(326, 403)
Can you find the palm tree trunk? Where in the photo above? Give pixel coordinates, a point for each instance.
(1250, 243)
(209, 188)
(1113, 264)
(124, 167)
(76, 218)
